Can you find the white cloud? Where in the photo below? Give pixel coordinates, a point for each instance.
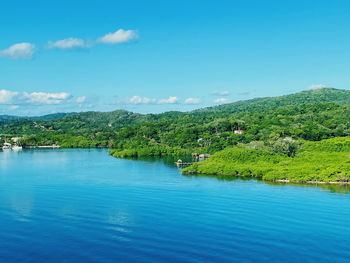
(221, 93)
(7, 96)
(81, 99)
(67, 44)
(36, 98)
(170, 100)
(13, 107)
(145, 100)
(192, 101)
(45, 98)
(317, 86)
(140, 100)
(19, 51)
(120, 36)
(221, 100)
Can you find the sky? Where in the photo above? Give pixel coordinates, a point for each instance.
(156, 56)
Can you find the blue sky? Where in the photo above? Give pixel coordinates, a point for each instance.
(154, 56)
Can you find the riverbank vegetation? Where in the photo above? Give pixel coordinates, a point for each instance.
(324, 161)
(159, 151)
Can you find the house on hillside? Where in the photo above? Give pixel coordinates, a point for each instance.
(203, 156)
(238, 132)
(15, 139)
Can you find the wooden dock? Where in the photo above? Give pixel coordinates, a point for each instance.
(196, 156)
(183, 164)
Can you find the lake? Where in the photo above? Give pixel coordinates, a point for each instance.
(81, 205)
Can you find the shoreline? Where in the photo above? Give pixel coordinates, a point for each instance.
(59, 147)
(285, 181)
(42, 147)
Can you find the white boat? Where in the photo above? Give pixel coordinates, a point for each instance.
(16, 148)
(6, 146)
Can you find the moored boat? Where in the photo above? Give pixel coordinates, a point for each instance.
(6, 146)
(16, 148)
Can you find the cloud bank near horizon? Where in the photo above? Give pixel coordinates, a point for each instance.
(13, 100)
(317, 86)
(221, 101)
(138, 100)
(8, 97)
(65, 101)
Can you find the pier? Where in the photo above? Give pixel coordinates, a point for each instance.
(183, 164)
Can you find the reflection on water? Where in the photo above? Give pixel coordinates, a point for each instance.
(22, 205)
(119, 221)
(334, 188)
(167, 160)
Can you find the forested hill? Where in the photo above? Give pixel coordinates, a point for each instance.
(340, 97)
(309, 115)
(48, 117)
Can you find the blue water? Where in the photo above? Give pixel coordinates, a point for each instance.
(85, 206)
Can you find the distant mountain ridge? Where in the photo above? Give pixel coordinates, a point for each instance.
(47, 117)
(337, 96)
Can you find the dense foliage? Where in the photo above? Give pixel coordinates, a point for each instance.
(326, 161)
(150, 151)
(310, 115)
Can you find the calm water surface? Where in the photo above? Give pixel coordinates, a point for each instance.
(85, 206)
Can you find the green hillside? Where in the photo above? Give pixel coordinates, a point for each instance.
(309, 115)
(340, 97)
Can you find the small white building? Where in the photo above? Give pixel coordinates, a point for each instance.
(238, 132)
